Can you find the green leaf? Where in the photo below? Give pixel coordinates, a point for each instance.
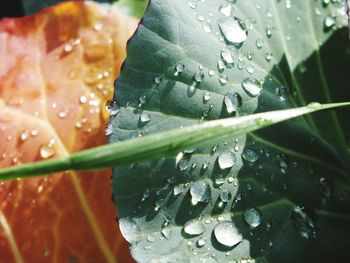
(270, 196)
(134, 8)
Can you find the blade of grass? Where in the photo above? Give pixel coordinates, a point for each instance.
(162, 144)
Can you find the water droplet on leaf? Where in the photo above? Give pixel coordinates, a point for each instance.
(227, 234)
(252, 217)
(252, 87)
(226, 160)
(200, 191)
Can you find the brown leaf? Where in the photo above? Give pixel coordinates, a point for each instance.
(56, 72)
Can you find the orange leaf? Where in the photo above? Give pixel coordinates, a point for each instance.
(56, 72)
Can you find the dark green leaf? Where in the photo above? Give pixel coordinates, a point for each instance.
(286, 176)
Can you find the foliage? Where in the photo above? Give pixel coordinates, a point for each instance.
(277, 195)
(52, 105)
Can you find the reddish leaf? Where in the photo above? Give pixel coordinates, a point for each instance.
(56, 72)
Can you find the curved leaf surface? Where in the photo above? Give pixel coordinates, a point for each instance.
(268, 196)
(56, 72)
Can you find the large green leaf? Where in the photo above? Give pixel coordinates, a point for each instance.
(269, 196)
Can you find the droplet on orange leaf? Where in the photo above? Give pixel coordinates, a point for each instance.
(24, 135)
(95, 53)
(46, 152)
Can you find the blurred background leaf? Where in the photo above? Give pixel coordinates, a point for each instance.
(18, 8)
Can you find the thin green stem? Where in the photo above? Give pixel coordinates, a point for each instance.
(161, 144)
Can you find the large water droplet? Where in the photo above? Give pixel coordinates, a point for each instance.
(226, 160)
(250, 156)
(232, 102)
(129, 229)
(252, 217)
(227, 234)
(234, 30)
(252, 86)
(200, 191)
(194, 228)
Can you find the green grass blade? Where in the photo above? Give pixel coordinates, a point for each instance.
(161, 144)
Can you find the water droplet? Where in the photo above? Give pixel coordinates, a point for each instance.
(329, 22)
(326, 188)
(268, 32)
(178, 189)
(226, 10)
(67, 47)
(259, 43)
(200, 192)
(109, 129)
(166, 232)
(252, 87)
(227, 234)
(179, 68)
(62, 114)
(206, 97)
(250, 156)
(211, 72)
(143, 99)
(304, 219)
(194, 228)
(199, 76)
(206, 27)
(234, 30)
(158, 80)
(191, 4)
(129, 230)
(252, 217)
(314, 105)
(227, 58)
(268, 56)
(223, 79)
(24, 135)
(112, 107)
(201, 242)
(225, 196)
(145, 117)
(232, 102)
(95, 52)
(183, 164)
(46, 152)
(282, 93)
(226, 160)
(83, 99)
(221, 66)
